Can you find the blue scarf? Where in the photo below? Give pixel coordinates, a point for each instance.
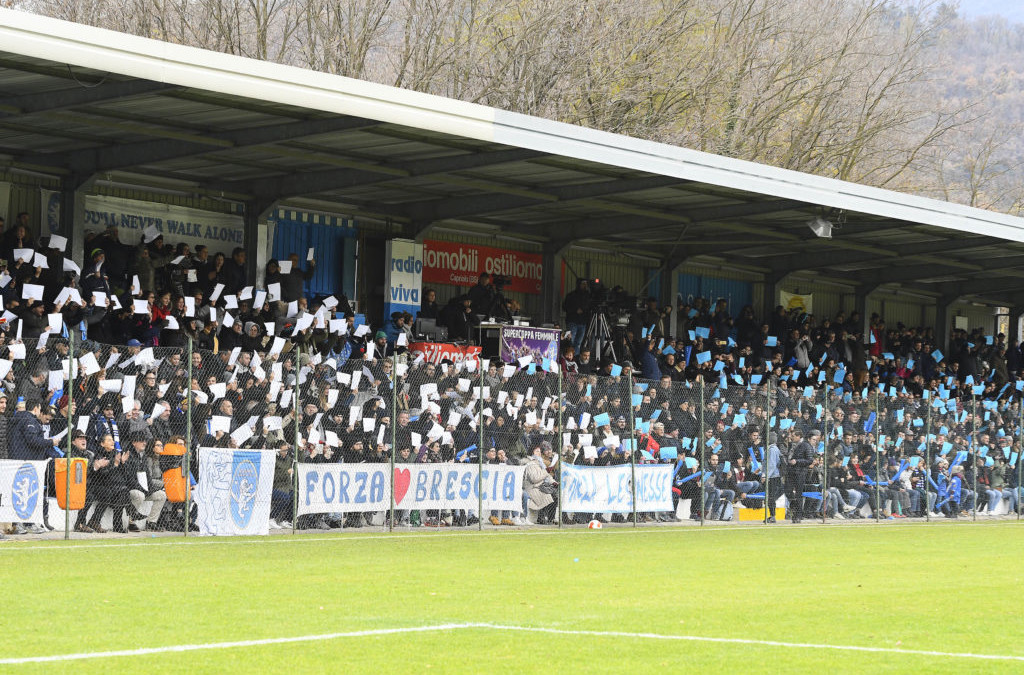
(112, 425)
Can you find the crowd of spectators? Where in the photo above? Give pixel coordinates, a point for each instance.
(843, 422)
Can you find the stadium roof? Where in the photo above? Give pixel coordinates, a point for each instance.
(80, 102)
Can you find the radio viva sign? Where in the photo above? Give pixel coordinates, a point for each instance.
(404, 278)
(446, 262)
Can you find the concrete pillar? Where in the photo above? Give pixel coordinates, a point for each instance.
(860, 304)
(1016, 313)
(72, 216)
(254, 238)
(670, 287)
(551, 282)
(943, 305)
(772, 285)
(673, 294)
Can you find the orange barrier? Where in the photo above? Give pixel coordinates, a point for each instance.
(173, 449)
(79, 472)
(176, 485)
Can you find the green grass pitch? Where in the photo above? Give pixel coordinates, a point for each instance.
(944, 587)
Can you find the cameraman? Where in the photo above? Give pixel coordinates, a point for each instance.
(481, 296)
(577, 312)
(652, 318)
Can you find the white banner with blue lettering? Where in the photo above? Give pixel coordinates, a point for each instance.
(21, 491)
(340, 488)
(220, 232)
(233, 493)
(404, 277)
(607, 489)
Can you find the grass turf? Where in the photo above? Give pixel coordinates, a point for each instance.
(943, 587)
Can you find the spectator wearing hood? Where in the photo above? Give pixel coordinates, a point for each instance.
(252, 337)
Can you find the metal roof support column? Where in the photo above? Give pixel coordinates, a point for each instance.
(670, 288)
(72, 211)
(254, 237)
(943, 305)
(551, 281)
(1013, 334)
(772, 285)
(860, 305)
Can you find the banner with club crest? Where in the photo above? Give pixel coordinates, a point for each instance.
(22, 491)
(234, 489)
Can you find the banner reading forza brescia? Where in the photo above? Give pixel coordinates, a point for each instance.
(362, 488)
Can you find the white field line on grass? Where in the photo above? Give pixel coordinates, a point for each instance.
(9, 546)
(496, 627)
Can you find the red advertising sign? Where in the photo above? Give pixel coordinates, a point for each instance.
(436, 352)
(446, 262)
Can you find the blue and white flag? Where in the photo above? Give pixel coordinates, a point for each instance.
(22, 491)
(608, 489)
(233, 494)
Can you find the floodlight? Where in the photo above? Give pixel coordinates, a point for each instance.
(821, 227)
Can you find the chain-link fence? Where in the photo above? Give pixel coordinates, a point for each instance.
(253, 441)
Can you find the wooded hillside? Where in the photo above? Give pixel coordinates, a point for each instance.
(903, 94)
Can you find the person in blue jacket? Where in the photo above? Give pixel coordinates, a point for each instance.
(29, 442)
(27, 439)
(954, 492)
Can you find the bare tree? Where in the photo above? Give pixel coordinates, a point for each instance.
(849, 93)
(339, 36)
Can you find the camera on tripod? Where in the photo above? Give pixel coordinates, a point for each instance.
(610, 301)
(500, 281)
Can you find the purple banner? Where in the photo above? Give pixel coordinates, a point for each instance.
(520, 341)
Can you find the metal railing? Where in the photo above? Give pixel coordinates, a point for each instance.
(250, 442)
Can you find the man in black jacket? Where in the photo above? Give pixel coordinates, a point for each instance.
(292, 283)
(144, 480)
(459, 318)
(799, 461)
(234, 272)
(577, 312)
(481, 296)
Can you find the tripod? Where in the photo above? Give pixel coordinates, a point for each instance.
(599, 335)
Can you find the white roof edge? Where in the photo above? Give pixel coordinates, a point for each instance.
(105, 50)
(100, 49)
(660, 158)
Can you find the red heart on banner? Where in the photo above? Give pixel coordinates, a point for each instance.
(402, 480)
